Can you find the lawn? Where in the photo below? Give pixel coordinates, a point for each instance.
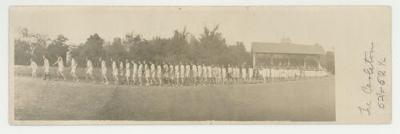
(302, 100)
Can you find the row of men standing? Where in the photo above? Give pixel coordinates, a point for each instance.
(148, 73)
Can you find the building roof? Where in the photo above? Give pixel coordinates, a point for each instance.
(282, 48)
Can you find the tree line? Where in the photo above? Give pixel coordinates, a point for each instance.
(182, 47)
(210, 47)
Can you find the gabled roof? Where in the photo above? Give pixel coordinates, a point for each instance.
(281, 48)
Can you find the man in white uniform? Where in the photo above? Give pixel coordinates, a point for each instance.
(219, 74)
(213, 74)
(34, 68)
(104, 70)
(209, 74)
(263, 72)
(244, 74)
(153, 73)
(73, 69)
(115, 71)
(140, 73)
(165, 73)
(182, 73)
(224, 74)
(274, 73)
(205, 74)
(194, 74)
(46, 66)
(146, 73)
(121, 69)
(238, 74)
(127, 71)
(171, 76)
(234, 74)
(89, 69)
(159, 74)
(177, 76)
(134, 72)
(199, 74)
(251, 73)
(229, 75)
(60, 70)
(187, 74)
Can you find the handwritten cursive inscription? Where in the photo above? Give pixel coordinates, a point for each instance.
(374, 87)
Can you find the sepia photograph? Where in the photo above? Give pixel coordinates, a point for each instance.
(116, 63)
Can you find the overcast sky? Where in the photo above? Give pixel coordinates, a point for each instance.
(326, 26)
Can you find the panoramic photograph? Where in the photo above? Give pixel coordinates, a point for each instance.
(82, 63)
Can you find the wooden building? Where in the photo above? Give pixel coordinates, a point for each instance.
(286, 54)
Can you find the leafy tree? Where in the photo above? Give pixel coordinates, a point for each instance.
(238, 55)
(58, 47)
(92, 49)
(116, 50)
(132, 43)
(21, 52)
(29, 46)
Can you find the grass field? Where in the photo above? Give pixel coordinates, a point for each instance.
(303, 100)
